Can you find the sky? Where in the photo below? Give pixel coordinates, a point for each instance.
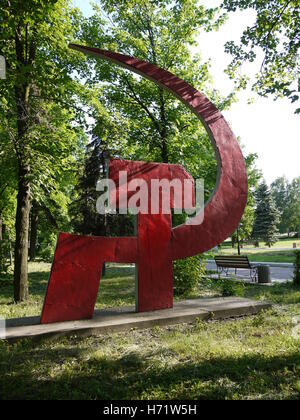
(266, 127)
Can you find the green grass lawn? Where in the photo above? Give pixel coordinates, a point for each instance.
(261, 256)
(245, 358)
(272, 256)
(117, 288)
(282, 251)
(286, 243)
(281, 243)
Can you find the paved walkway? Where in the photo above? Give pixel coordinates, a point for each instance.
(279, 274)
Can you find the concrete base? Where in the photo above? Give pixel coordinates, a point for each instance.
(107, 321)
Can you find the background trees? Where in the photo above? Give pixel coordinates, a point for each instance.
(42, 99)
(295, 206)
(266, 216)
(134, 118)
(47, 174)
(154, 125)
(287, 200)
(275, 33)
(246, 224)
(84, 216)
(35, 103)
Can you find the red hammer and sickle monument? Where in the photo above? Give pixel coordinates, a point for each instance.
(78, 260)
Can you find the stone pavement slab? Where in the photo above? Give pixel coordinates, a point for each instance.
(107, 321)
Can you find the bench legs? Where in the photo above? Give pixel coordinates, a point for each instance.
(222, 270)
(253, 272)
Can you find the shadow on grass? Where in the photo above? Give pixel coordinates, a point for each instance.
(114, 271)
(57, 374)
(38, 282)
(117, 288)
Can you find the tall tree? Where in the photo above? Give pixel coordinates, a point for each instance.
(287, 199)
(275, 33)
(266, 216)
(8, 186)
(142, 121)
(254, 177)
(34, 217)
(280, 191)
(294, 214)
(34, 37)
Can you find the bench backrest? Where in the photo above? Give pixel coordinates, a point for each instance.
(238, 261)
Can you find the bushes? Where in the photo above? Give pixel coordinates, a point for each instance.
(47, 248)
(187, 274)
(297, 268)
(229, 287)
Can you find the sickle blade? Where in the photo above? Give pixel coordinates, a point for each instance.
(224, 209)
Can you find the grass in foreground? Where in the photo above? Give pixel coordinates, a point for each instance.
(255, 357)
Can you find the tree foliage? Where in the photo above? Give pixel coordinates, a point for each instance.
(37, 102)
(287, 200)
(276, 33)
(266, 216)
(85, 218)
(142, 121)
(254, 177)
(47, 175)
(187, 274)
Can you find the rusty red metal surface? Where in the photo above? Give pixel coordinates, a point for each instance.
(148, 171)
(76, 271)
(154, 263)
(75, 275)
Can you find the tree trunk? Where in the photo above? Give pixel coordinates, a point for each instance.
(21, 245)
(232, 242)
(164, 154)
(10, 253)
(103, 270)
(33, 231)
(163, 132)
(1, 227)
(25, 48)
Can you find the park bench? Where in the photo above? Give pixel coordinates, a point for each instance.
(237, 261)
